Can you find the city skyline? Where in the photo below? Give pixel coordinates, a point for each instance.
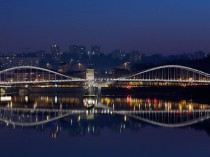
(149, 26)
(100, 77)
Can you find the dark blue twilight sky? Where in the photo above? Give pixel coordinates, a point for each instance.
(152, 26)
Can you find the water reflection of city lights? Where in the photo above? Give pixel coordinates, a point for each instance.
(26, 98)
(125, 118)
(150, 104)
(79, 118)
(56, 99)
(89, 102)
(5, 98)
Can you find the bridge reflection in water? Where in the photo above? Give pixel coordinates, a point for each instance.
(38, 110)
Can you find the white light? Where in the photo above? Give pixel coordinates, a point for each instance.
(6, 98)
(26, 98)
(56, 99)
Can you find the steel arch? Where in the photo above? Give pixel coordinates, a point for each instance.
(154, 75)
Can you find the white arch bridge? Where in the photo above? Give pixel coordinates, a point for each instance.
(164, 74)
(33, 75)
(169, 73)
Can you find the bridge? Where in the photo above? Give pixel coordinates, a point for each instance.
(33, 75)
(34, 117)
(162, 118)
(26, 117)
(163, 74)
(169, 73)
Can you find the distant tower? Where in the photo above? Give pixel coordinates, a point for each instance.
(95, 50)
(135, 57)
(55, 51)
(79, 51)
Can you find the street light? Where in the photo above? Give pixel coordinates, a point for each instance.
(125, 64)
(79, 64)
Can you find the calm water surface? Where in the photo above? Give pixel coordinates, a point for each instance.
(103, 131)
